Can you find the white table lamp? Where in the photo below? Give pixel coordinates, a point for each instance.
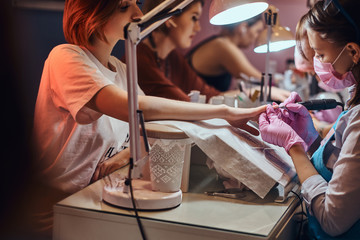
(223, 12)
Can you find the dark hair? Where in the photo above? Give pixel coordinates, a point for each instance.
(85, 19)
(250, 22)
(335, 29)
(150, 4)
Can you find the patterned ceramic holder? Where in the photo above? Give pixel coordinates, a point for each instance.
(170, 163)
(166, 163)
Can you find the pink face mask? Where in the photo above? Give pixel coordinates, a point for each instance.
(330, 77)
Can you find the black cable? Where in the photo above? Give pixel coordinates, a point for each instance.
(142, 124)
(128, 182)
(302, 214)
(341, 97)
(261, 87)
(269, 86)
(340, 104)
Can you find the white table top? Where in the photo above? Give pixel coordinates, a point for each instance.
(250, 215)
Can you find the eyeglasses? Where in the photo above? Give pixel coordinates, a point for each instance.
(333, 7)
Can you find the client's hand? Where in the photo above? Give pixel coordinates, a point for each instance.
(299, 118)
(114, 163)
(238, 117)
(276, 131)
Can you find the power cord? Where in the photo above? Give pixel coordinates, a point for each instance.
(128, 182)
(340, 104)
(302, 214)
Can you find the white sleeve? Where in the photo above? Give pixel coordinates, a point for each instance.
(336, 204)
(74, 81)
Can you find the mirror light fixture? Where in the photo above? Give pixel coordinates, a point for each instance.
(223, 12)
(281, 37)
(274, 38)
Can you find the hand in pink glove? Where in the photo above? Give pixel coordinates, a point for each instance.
(294, 97)
(276, 131)
(298, 117)
(286, 115)
(302, 123)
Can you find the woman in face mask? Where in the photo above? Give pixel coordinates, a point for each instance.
(330, 180)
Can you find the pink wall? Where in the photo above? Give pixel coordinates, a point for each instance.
(290, 11)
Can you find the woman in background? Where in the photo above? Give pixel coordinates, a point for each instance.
(218, 67)
(162, 69)
(330, 180)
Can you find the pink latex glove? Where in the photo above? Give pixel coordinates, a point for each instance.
(293, 98)
(288, 116)
(276, 131)
(329, 115)
(299, 118)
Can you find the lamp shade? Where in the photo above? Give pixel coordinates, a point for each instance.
(223, 12)
(281, 37)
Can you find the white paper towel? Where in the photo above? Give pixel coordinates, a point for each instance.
(245, 157)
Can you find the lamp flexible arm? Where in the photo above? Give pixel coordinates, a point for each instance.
(161, 19)
(134, 35)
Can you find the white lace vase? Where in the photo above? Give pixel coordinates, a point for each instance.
(166, 164)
